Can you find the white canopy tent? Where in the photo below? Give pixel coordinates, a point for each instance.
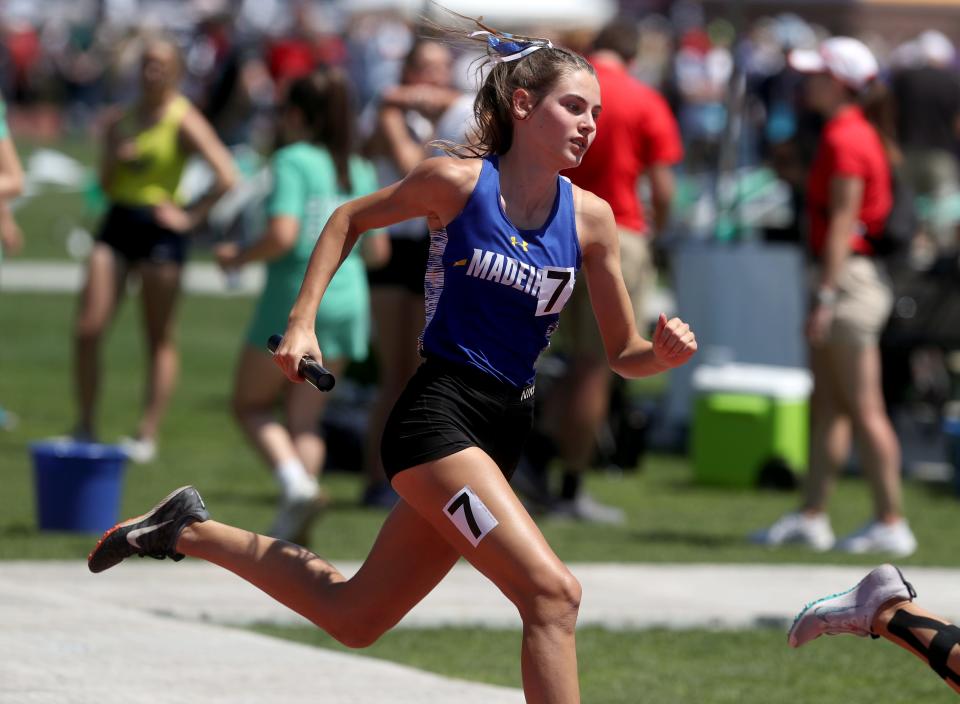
(561, 14)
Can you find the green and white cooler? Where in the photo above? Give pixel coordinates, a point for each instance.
(748, 417)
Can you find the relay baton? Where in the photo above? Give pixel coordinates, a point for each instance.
(309, 368)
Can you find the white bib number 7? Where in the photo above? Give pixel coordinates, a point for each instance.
(555, 289)
(469, 514)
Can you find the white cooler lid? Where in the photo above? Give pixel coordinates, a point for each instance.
(758, 379)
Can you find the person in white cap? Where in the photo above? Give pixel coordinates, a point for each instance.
(849, 197)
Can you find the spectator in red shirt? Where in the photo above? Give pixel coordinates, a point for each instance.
(637, 137)
(849, 197)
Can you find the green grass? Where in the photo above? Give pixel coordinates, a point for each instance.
(660, 666)
(670, 518)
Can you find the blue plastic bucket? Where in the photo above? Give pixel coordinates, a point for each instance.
(951, 428)
(78, 485)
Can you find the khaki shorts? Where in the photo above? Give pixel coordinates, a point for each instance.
(578, 334)
(864, 303)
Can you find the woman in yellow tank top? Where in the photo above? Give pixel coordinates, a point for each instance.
(146, 230)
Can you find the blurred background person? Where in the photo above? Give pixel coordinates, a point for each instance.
(787, 129)
(79, 59)
(315, 171)
(146, 230)
(240, 95)
(405, 121)
(927, 96)
(637, 139)
(702, 69)
(849, 196)
(916, 359)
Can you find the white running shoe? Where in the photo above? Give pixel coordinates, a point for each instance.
(295, 516)
(892, 538)
(851, 611)
(813, 531)
(139, 450)
(587, 509)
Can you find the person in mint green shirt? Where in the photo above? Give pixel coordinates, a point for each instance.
(313, 174)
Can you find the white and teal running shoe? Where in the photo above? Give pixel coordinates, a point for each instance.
(851, 611)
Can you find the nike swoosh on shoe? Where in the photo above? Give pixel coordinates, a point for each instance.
(133, 535)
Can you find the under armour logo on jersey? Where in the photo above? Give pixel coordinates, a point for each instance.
(515, 242)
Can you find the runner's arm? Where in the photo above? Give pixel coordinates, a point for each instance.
(437, 188)
(629, 354)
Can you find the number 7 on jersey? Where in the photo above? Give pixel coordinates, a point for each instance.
(555, 289)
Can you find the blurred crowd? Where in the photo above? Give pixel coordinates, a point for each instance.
(736, 100)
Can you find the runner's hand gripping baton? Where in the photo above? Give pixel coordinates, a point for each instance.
(309, 368)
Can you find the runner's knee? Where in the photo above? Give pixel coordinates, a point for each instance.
(551, 598)
(356, 630)
(356, 635)
(88, 329)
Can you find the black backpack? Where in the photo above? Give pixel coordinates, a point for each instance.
(902, 221)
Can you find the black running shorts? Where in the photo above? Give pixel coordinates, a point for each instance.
(449, 407)
(134, 234)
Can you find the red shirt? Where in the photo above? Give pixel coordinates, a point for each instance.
(636, 130)
(849, 146)
(290, 58)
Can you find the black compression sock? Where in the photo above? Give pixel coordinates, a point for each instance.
(938, 652)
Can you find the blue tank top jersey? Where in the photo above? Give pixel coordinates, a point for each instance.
(494, 292)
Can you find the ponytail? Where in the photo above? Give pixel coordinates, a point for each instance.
(514, 61)
(325, 101)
